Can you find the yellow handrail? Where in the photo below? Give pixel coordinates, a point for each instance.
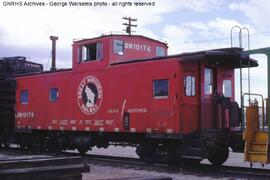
(261, 96)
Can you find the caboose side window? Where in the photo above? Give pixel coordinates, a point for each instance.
(91, 52)
(189, 84)
(208, 81)
(118, 47)
(53, 94)
(24, 97)
(79, 55)
(99, 51)
(161, 88)
(160, 51)
(227, 88)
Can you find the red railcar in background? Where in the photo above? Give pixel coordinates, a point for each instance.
(126, 90)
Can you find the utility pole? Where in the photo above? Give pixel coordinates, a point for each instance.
(129, 24)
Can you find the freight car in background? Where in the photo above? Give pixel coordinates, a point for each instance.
(10, 67)
(126, 90)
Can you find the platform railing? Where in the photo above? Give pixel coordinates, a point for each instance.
(262, 121)
(266, 114)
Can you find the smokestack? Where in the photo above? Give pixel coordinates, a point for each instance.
(53, 38)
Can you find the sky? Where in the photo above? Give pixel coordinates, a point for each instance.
(186, 25)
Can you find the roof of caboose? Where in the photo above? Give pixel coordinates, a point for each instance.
(231, 56)
(118, 35)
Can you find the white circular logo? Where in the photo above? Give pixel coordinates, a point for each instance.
(89, 95)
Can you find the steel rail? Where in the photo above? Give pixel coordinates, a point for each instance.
(205, 169)
(191, 169)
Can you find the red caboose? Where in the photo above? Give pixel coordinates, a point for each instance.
(126, 90)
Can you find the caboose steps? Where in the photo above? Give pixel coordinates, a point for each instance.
(256, 156)
(258, 146)
(261, 136)
(257, 152)
(256, 140)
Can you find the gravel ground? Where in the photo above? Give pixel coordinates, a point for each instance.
(235, 159)
(16, 156)
(107, 172)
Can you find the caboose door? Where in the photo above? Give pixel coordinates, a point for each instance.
(209, 88)
(190, 106)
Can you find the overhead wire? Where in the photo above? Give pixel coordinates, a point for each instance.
(50, 56)
(220, 39)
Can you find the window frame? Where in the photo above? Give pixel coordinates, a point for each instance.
(168, 89)
(114, 48)
(50, 94)
(99, 52)
(84, 49)
(79, 54)
(224, 89)
(211, 84)
(158, 49)
(193, 89)
(22, 98)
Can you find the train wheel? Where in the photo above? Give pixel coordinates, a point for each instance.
(36, 147)
(82, 150)
(45, 144)
(173, 159)
(23, 145)
(146, 153)
(162, 153)
(53, 146)
(54, 149)
(220, 156)
(26, 142)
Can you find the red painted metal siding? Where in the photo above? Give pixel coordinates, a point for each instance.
(209, 112)
(135, 48)
(190, 106)
(96, 95)
(125, 88)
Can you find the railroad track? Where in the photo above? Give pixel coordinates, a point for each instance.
(200, 170)
(47, 167)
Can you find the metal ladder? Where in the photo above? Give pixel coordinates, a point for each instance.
(240, 39)
(255, 134)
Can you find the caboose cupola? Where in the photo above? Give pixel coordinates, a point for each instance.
(108, 49)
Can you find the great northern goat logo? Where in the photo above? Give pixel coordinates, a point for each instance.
(89, 95)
